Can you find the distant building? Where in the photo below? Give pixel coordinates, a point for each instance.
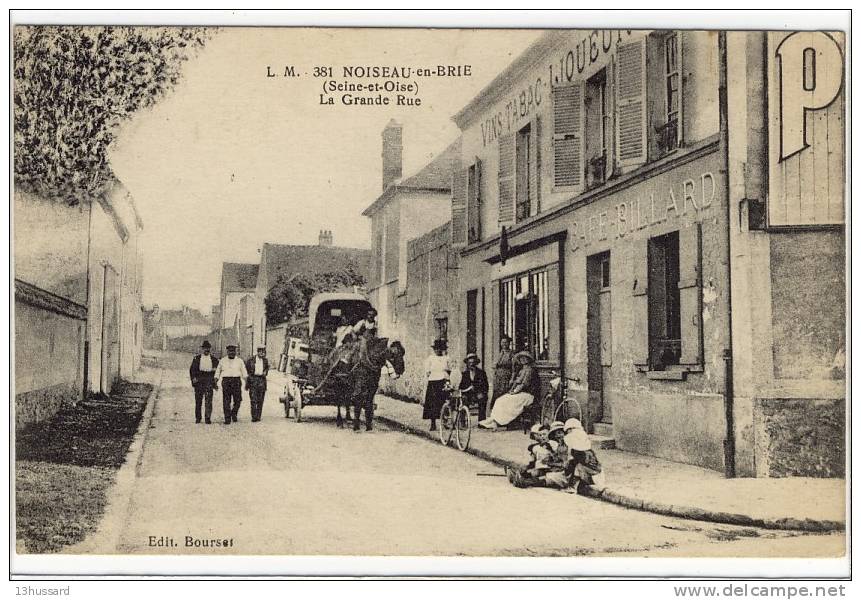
(282, 261)
(406, 209)
(165, 325)
(238, 280)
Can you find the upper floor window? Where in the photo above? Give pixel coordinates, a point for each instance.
(669, 131)
(523, 174)
(599, 130)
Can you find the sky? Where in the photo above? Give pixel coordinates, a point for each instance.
(231, 158)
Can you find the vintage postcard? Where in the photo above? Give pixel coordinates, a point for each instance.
(429, 292)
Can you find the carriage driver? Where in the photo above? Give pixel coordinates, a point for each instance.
(368, 325)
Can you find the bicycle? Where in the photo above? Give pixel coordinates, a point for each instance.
(454, 421)
(551, 410)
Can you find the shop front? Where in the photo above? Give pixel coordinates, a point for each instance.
(625, 292)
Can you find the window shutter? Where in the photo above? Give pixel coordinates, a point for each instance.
(535, 179)
(507, 162)
(640, 303)
(459, 185)
(631, 103)
(568, 136)
(474, 212)
(690, 294)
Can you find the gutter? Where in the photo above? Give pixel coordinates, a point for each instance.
(729, 398)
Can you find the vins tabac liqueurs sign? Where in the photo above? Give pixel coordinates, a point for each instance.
(806, 128)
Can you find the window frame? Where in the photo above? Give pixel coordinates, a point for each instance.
(664, 301)
(540, 333)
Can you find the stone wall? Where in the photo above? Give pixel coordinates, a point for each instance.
(430, 294)
(48, 362)
(800, 437)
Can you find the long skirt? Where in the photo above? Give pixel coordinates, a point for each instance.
(435, 397)
(501, 381)
(509, 406)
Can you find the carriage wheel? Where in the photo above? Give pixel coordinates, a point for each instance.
(286, 402)
(462, 428)
(298, 406)
(446, 424)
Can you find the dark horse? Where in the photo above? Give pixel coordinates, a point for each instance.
(368, 360)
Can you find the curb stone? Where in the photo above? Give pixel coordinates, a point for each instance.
(682, 512)
(106, 537)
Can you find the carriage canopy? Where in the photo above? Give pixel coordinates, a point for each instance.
(326, 309)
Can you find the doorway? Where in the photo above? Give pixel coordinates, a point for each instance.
(599, 334)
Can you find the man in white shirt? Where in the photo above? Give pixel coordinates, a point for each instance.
(231, 374)
(202, 373)
(368, 325)
(258, 368)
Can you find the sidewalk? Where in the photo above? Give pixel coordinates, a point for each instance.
(664, 487)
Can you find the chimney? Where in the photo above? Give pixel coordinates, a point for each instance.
(392, 153)
(325, 238)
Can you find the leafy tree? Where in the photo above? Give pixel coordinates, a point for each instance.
(289, 298)
(73, 86)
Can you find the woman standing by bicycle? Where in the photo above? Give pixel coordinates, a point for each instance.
(437, 371)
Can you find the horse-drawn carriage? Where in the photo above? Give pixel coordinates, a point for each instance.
(313, 377)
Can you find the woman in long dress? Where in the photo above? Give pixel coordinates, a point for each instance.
(437, 371)
(502, 370)
(524, 389)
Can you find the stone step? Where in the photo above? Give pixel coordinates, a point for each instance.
(605, 429)
(602, 442)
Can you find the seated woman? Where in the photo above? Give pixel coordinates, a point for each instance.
(524, 389)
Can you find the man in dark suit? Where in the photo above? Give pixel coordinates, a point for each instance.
(474, 384)
(258, 368)
(202, 373)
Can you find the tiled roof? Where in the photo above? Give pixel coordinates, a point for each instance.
(436, 175)
(287, 259)
(237, 277)
(182, 318)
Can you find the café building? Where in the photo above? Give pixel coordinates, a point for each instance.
(594, 216)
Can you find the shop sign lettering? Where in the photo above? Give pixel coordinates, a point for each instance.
(645, 210)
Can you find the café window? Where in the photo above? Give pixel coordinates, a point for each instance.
(599, 130)
(529, 312)
(667, 300)
(472, 321)
(664, 316)
(523, 173)
(669, 131)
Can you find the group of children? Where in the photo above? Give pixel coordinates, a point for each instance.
(561, 457)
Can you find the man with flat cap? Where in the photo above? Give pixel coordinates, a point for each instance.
(257, 368)
(202, 373)
(231, 374)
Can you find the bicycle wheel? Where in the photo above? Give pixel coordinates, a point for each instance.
(446, 424)
(462, 428)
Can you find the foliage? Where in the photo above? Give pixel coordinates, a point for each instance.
(289, 298)
(73, 86)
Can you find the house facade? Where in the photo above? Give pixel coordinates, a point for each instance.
(596, 210)
(78, 289)
(407, 209)
(238, 281)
